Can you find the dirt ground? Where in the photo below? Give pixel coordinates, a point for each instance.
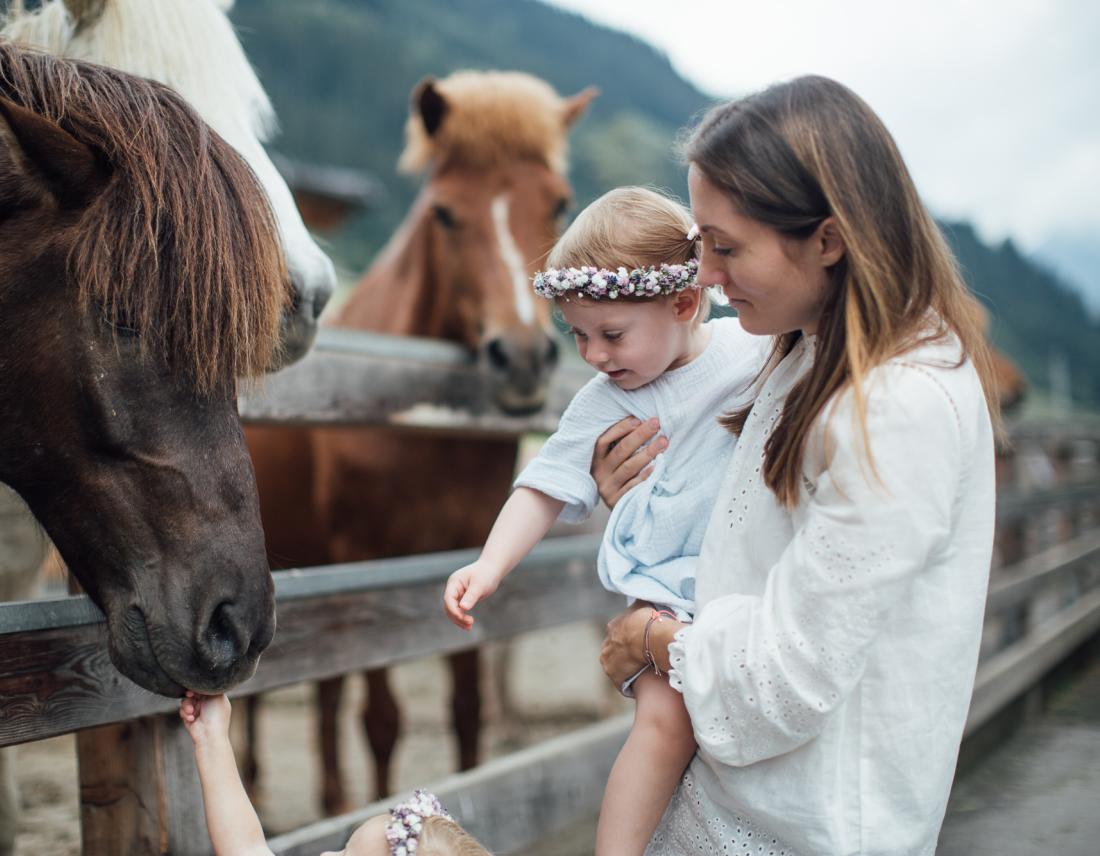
(552, 676)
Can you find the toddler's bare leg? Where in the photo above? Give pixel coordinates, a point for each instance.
(647, 771)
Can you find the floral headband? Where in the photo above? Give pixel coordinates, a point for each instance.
(407, 819)
(603, 284)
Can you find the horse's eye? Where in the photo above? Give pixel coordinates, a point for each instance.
(444, 216)
(120, 326)
(562, 207)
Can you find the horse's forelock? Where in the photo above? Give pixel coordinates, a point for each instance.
(492, 117)
(181, 244)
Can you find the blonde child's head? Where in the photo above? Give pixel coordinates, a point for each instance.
(438, 835)
(623, 277)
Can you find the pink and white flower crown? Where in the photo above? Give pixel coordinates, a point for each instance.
(407, 821)
(604, 284)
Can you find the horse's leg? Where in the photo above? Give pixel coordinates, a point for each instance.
(382, 724)
(333, 797)
(250, 765)
(466, 705)
(9, 801)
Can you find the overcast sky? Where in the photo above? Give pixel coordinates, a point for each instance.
(995, 104)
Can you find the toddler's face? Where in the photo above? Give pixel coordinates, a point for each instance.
(632, 342)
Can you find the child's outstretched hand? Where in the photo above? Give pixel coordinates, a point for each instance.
(206, 717)
(466, 587)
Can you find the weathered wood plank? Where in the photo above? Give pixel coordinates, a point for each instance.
(1004, 676)
(55, 681)
(353, 378)
(139, 789)
(508, 803)
(1015, 505)
(1017, 584)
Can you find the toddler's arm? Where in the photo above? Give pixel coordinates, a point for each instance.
(230, 818)
(526, 517)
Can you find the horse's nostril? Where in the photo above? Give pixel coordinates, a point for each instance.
(498, 357)
(552, 353)
(319, 302)
(221, 644)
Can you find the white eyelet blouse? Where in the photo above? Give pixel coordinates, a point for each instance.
(829, 669)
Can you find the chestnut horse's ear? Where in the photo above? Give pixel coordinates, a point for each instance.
(430, 104)
(39, 157)
(576, 106)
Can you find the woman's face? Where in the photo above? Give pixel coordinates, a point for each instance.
(776, 284)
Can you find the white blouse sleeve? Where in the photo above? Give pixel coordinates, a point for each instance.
(562, 468)
(760, 675)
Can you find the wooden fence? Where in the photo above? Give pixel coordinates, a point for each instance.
(139, 790)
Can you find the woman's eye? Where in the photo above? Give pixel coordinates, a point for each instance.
(577, 334)
(721, 251)
(613, 337)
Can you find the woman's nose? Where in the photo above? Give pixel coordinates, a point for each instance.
(711, 273)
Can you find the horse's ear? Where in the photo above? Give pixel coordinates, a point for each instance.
(40, 157)
(576, 106)
(430, 104)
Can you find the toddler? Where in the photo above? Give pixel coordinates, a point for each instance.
(623, 276)
(418, 827)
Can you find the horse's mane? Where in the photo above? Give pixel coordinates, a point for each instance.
(187, 44)
(492, 117)
(181, 244)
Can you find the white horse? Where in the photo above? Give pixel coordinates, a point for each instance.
(189, 45)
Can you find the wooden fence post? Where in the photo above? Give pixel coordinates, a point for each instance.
(139, 789)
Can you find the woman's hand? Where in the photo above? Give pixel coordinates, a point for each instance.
(622, 459)
(623, 651)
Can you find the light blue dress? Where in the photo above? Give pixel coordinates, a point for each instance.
(652, 541)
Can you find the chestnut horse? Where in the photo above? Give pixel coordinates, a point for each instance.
(140, 274)
(459, 268)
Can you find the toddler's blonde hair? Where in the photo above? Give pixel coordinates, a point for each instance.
(442, 837)
(631, 227)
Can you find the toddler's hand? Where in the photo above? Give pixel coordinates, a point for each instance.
(465, 588)
(205, 717)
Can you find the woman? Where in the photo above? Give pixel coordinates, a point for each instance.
(843, 575)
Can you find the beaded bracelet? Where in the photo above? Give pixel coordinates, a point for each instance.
(655, 615)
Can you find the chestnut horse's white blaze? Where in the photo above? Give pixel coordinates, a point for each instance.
(190, 45)
(513, 261)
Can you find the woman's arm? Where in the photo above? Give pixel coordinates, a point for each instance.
(523, 521)
(624, 455)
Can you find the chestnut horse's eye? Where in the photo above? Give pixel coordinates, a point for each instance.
(562, 207)
(444, 216)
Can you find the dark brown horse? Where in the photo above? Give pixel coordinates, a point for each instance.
(459, 268)
(140, 275)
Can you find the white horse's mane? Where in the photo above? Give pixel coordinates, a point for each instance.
(188, 44)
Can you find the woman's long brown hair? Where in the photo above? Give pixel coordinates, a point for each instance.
(793, 155)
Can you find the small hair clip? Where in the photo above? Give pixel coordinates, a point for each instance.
(693, 232)
(407, 819)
